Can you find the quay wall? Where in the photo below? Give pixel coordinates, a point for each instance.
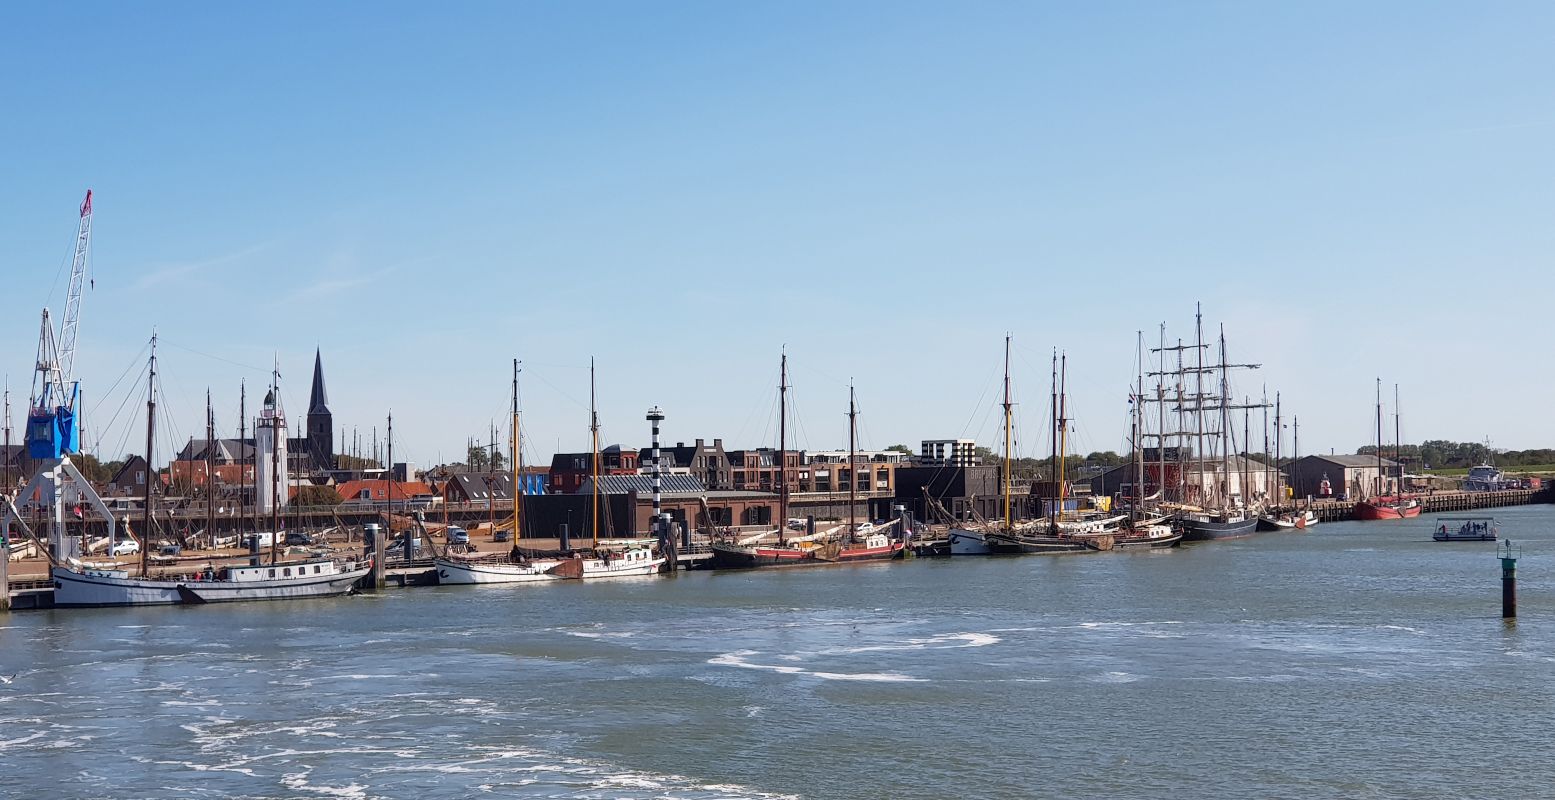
(1439, 502)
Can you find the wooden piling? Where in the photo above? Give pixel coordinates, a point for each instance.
(5, 574)
(374, 546)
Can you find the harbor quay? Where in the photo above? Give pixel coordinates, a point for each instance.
(484, 530)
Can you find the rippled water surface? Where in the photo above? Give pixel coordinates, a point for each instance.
(1353, 660)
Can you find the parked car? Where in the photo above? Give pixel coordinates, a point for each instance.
(126, 547)
(170, 550)
(298, 538)
(458, 535)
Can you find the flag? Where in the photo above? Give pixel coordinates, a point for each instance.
(86, 205)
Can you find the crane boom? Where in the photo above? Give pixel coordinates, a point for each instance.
(72, 321)
(52, 426)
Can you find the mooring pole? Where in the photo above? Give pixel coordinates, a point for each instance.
(1508, 581)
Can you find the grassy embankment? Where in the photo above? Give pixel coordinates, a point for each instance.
(1532, 469)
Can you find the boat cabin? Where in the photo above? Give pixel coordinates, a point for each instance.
(278, 572)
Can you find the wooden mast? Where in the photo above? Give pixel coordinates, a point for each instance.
(594, 438)
(782, 455)
(1063, 427)
(210, 468)
(151, 474)
(1380, 484)
(852, 468)
(1198, 402)
(1008, 521)
(242, 442)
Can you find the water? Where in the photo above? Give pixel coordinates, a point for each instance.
(1353, 660)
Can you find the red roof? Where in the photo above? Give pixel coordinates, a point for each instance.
(381, 489)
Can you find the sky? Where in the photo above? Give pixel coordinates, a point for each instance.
(882, 190)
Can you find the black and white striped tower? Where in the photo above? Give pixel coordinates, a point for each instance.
(655, 416)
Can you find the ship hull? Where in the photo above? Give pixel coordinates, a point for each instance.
(463, 573)
(736, 557)
(1194, 530)
(74, 589)
(968, 543)
(1008, 544)
(1371, 511)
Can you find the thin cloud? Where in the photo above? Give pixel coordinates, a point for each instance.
(171, 272)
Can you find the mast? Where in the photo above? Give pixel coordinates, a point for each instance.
(210, 468)
(1139, 445)
(1266, 480)
(1247, 469)
(389, 455)
(7, 487)
(1225, 421)
(275, 468)
(1198, 381)
(1182, 429)
(1063, 426)
(1160, 401)
(1052, 513)
(518, 463)
(594, 438)
(242, 437)
(782, 449)
(151, 474)
(1398, 442)
(852, 467)
(1008, 523)
(1380, 484)
(1279, 436)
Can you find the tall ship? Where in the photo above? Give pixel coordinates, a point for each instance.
(512, 567)
(1051, 536)
(1218, 504)
(1383, 504)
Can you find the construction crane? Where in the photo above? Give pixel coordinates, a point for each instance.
(52, 426)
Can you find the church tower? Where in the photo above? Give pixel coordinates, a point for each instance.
(321, 423)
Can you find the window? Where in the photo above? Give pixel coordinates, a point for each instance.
(286, 573)
(272, 572)
(140, 477)
(316, 569)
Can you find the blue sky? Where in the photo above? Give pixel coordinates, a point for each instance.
(680, 190)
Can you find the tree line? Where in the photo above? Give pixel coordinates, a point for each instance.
(1442, 454)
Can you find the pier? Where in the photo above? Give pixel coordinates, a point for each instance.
(30, 587)
(1438, 502)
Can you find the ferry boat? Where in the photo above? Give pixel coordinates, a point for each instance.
(86, 585)
(1466, 529)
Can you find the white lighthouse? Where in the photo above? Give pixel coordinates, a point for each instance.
(270, 477)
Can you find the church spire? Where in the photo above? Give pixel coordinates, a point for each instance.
(318, 401)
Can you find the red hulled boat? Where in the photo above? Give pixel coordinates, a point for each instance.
(1387, 508)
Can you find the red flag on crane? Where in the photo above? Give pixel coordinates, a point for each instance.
(86, 205)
